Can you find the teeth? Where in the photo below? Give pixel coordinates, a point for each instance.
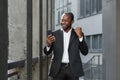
(64, 25)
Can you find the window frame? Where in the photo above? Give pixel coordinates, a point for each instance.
(82, 8)
(90, 44)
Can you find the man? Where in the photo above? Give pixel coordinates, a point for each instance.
(66, 44)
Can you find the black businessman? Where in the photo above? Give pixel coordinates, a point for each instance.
(66, 44)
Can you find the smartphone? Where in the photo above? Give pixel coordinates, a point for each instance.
(49, 32)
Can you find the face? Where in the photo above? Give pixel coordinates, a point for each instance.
(66, 22)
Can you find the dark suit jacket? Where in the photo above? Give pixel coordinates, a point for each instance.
(75, 47)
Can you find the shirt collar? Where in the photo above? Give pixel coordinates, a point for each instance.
(68, 31)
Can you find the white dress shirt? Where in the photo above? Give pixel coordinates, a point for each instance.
(66, 40)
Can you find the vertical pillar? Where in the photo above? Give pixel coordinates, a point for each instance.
(53, 14)
(29, 39)
(40, 36)
(3, 39)
(111, 39)
(118, 39)
(47, 25)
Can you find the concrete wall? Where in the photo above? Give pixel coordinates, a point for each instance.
(111, 39)
(17, 16)
(91, 25)
(17, 32)
(17, 23)
(17, 29)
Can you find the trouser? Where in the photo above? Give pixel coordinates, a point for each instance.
(65, 73)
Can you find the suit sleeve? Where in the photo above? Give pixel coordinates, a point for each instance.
(49, 51)
(83, 47)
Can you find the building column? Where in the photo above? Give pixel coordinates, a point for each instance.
(40, 37)
(3, 39)
(118, 39)
(111, 39)
(29, 40)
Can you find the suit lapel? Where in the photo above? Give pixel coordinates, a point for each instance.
(61, 40)
(72, 37)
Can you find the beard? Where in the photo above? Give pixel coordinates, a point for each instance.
(66, 27)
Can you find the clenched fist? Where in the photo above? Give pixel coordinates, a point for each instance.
(78, 31)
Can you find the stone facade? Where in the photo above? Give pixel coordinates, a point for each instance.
(17, 24)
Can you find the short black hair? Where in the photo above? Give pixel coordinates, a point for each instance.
(71, 15)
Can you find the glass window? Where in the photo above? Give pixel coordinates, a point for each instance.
(56, 3)
(82, 8)
(58, 17)
(88, 7)
(95, 42)
(61, 3)
(100, 41)
(69, 8)
(65, 9)
(99, 6)
(69, 1)
(94, 6)
(62, 11)
(65, 2)
(88, 41)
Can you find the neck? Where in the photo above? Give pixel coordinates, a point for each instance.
(66, 30)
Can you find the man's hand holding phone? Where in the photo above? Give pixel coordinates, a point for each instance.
(50, 40)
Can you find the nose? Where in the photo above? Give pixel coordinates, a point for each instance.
(63, 22)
